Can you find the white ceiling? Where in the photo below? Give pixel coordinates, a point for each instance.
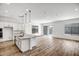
(41, 12)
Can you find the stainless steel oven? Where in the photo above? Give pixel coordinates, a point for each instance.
(1, 33)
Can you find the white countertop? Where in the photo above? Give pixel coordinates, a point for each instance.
(29, 36)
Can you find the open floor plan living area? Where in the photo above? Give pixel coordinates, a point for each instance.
(39, 29)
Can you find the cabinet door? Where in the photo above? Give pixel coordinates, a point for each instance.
(33, 42)
(25, 45)
(18, 43)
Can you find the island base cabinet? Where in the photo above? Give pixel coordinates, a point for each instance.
(33, 42)
(25, 45)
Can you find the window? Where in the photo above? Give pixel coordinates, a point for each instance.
(75, 28)
(34, 29)
(67, 29)
(50, 30)
(72, 29)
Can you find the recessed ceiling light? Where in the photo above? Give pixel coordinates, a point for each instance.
(76, 9)
(27, 9)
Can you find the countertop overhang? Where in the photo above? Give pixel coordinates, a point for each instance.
(28, 37)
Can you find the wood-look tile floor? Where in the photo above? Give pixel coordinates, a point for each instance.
(45, 47)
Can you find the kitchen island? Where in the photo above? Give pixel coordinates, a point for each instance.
(26, 42)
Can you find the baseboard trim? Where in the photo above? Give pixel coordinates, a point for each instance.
(66, 39)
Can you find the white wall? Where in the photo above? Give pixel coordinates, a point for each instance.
(58, 30)
(46, 24)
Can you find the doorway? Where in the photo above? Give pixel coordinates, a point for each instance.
(45, 30)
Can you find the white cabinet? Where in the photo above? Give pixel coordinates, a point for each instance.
(26, 43)
(33, 42)
(23, 44)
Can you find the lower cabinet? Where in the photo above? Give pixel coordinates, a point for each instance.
(26, 44)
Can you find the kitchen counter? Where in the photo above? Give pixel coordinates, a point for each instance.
(26, 42)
